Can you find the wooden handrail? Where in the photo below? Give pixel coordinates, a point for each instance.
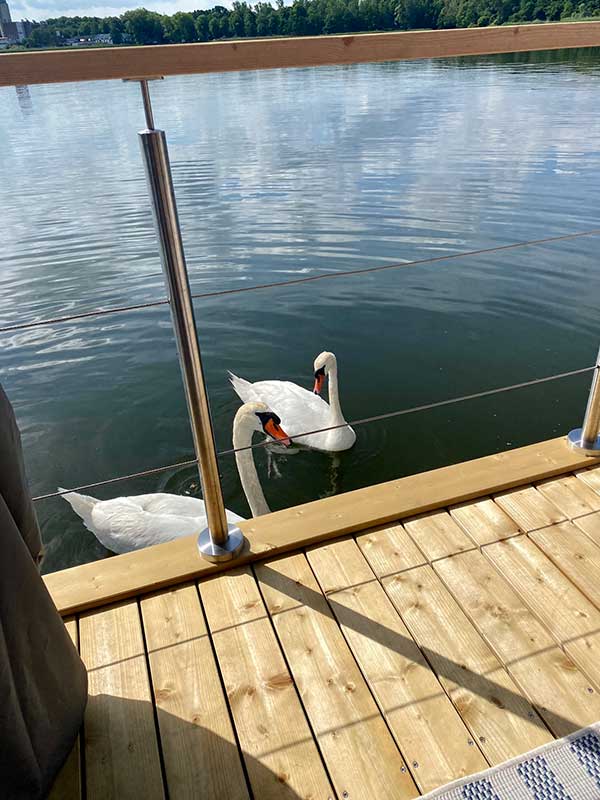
(64, 65)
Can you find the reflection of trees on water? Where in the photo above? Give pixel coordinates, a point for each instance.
(578, 59)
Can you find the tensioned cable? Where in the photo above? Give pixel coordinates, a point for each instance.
(120, 478)
(307, 279)
(425, 407)
(356, 422)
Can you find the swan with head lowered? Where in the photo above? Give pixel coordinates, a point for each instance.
(301, 410)
(130, 523)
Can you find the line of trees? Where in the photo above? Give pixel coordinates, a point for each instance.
(305, 18)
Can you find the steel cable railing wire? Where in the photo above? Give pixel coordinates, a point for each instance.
(354, 423)
(306, 279)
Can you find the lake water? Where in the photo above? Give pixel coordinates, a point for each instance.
(297, 173)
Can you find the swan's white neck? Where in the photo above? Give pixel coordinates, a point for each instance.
(242, 437)
(337, 417)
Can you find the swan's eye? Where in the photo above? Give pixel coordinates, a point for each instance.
(320, 373)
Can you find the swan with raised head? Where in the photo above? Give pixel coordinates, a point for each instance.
(130, 523)
(301, 410)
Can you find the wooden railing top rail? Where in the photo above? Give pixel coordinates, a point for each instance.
(59, 66)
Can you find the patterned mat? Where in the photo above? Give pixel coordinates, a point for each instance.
(567, 769)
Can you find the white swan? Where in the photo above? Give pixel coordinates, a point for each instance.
(301, 410)
(130, 523)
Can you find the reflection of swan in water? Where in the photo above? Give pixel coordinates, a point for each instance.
(130, 523)
(301, 410)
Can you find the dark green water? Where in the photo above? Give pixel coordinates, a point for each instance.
(288, 173)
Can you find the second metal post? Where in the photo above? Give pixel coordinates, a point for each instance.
(585, 439)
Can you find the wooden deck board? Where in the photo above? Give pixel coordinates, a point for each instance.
(575, 554)
(500, 719)
(590, 525)
(569, 616)
(529, 508)
(281, 757)
(437, 535)
(544, 672)
(67, 785)
(484, 521)
(573, 497)
(121, 750)
(421, 717)
(198, 744)
(389, 550)
(345, 719)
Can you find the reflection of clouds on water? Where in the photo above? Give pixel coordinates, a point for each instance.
(296, 173)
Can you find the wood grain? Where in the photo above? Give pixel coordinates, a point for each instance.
(484, 521)
(543, 671)
(352, 735)
(243, 54)
(569, 616)
(282, 760)
(68, 785)
(389, 549)
(437, 535)
(591, 477)
(572, 496)
(590, 525)
(198, 744)
(121, 750)
(500, 718)
(575, 554)
(422, 719)
(529, 508)
(163, 565)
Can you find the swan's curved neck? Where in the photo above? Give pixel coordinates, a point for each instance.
(242, 438)
(337, 417)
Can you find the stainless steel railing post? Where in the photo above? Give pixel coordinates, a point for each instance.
(586, 439)
(219, 541)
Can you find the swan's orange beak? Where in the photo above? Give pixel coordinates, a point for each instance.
(276, 432)
(319, 381)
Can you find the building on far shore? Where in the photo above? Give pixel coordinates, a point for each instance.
(12, 32)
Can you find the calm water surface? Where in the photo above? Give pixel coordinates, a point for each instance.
(297, 173)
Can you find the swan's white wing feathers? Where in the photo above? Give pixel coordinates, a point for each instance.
(299, 409)
(131, 523)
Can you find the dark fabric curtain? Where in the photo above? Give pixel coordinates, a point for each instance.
(43, 683)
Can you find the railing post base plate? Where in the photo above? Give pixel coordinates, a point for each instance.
(225, 552)
(589, 449)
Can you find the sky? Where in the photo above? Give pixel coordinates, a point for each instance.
(42, 9)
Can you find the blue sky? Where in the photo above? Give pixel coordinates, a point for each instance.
(42, 9)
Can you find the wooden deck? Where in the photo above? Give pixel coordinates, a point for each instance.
(377, 665)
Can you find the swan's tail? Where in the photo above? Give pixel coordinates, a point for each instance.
(243, 388)
(81, 504)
